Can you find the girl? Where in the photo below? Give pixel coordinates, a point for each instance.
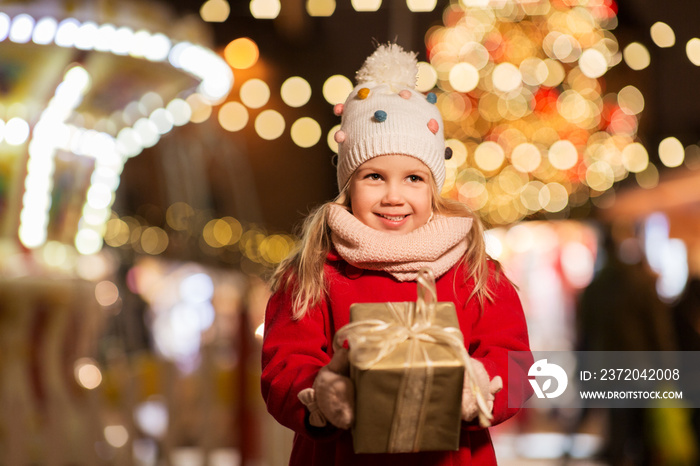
(367, 246)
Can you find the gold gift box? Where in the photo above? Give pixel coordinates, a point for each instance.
(410, 399)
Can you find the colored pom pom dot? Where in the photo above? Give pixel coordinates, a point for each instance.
(431, 97)
(363, 93)
(433, 126)
(380, 115)
(339, 136)
(448, 153)
(338, 109)
(406, 94)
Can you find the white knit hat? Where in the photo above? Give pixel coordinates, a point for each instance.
(384, 114)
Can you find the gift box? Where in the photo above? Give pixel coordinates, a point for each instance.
(407, 361)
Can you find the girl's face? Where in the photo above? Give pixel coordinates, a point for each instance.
(392, 193)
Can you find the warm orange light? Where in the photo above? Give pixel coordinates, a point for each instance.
(241, 53)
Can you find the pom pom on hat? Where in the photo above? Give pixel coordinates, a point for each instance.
(384, 114)
(390, 64)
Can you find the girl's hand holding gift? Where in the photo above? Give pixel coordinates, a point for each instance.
(485, 387)
(332, 397)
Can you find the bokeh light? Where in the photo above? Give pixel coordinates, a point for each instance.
(692, 50)
(154, 240)
(421, 5)
(635, 158)
(305, 132)
(200, 109)
(233, 116)
(489, 156)
(215, 11)
(87, 374)
(692, 157)
(295, 91)
(265, 9)
(593, 63)
(241, 53)
(526, 157)
(366, 5)
(649, 178)
(320, 7)
(330, 138)
(662, 34)
(671, 152)
(563, 155)
(427, 77)
(255, 93)
(116, 435)
(106, 293)
(506, 77)
(521, 84)
(269, 124)
(630, 100)
(636, 56)
(336, 89)
(464, 77)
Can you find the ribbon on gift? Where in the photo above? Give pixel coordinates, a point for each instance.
(372, 340)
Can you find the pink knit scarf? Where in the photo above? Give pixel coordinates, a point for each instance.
(438, 244)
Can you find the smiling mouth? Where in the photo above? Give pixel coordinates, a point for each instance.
(393, 218)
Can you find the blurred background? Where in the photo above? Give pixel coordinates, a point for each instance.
(157, 157)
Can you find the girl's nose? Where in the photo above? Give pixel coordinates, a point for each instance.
(392, 195)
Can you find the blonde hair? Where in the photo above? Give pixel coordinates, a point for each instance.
(303, 270)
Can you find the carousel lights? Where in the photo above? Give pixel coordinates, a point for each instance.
(15, 131)
(40, 165)
(5, 23)
(67, 32)
(44, 31)
(51, 133)
(200, 108)
(21, 29)
(110, 154)
(109, 149)
(215, 75)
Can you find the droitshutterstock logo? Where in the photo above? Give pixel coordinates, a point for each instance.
(542, 370)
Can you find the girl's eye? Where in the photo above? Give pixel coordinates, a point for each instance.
(374, 176)
(414, 178)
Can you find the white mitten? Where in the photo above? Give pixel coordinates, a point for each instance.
(478, 393)
(332, 397)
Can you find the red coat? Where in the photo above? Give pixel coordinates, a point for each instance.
(294, 350)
